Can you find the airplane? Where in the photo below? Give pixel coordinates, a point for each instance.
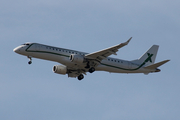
(76, 64)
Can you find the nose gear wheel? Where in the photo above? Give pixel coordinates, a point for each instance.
(30, 60)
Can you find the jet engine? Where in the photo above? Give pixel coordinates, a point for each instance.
(60, 69)
(76, 58)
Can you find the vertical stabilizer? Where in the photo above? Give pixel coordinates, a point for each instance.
(150, 56)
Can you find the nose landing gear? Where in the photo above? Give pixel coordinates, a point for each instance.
(30, 60)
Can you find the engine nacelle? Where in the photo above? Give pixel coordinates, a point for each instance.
(76, 58)
(60, 69)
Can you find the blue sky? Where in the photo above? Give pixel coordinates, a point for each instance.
(35, 92)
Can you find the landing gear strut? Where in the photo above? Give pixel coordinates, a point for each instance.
(80, 77)
(30, 60)
(87, 66)
(92, 69)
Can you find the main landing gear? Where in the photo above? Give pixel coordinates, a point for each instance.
(30, 60)
(80, 77)
(91, 70)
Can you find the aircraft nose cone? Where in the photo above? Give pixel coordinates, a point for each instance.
(16, 50)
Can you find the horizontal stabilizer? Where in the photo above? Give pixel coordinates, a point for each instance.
(154, 66)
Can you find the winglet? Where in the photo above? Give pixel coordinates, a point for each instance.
(128, 41)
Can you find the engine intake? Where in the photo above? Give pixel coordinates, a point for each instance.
(60, 69)
(76, 58)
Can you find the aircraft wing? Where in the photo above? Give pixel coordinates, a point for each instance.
(102, 54)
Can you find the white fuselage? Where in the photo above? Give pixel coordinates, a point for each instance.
(62, 55)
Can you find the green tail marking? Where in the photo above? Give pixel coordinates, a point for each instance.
(149, 57)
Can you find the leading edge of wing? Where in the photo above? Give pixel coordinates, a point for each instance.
(102, 54)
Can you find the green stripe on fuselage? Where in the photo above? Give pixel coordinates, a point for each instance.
(27, 50)
(148, 59)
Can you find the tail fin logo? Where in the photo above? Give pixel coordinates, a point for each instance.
(149, 57)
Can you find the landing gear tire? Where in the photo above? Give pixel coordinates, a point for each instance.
(91, 70)
(30, 60)
(80, 77)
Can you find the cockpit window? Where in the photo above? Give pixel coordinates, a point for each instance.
(26, 44)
